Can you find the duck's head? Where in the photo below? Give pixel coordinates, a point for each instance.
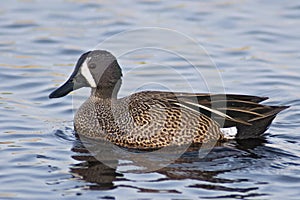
(97, 69)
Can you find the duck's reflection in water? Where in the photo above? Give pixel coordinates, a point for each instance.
(92, 170)
(102, 164)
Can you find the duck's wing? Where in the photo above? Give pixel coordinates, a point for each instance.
(242, 111)
(230, 110)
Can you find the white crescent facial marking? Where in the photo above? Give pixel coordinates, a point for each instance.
(86, 73)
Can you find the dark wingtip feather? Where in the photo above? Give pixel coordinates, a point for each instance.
(259, 124)
(255, 99)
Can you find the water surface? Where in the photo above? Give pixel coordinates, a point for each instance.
(254, 45)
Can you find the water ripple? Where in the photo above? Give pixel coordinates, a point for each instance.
(255, 46)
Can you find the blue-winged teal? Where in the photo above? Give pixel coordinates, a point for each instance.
(154, 119)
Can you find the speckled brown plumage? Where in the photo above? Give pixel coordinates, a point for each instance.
(155, 119)
(144, 120)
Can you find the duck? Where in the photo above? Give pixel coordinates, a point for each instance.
(157, 119)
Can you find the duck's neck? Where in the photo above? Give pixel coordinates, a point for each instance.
(107, 92)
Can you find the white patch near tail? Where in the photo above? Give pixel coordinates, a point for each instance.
(86, 73)
(229, 133)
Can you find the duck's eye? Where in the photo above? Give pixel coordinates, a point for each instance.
(92, 65)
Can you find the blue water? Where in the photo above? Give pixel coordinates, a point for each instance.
(249, 47)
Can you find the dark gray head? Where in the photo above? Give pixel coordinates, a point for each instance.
(95, 69)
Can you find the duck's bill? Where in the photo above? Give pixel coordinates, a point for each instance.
(63, 90)
(76, 81)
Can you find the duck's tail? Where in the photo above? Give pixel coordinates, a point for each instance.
(259, 124)
(244, 113)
